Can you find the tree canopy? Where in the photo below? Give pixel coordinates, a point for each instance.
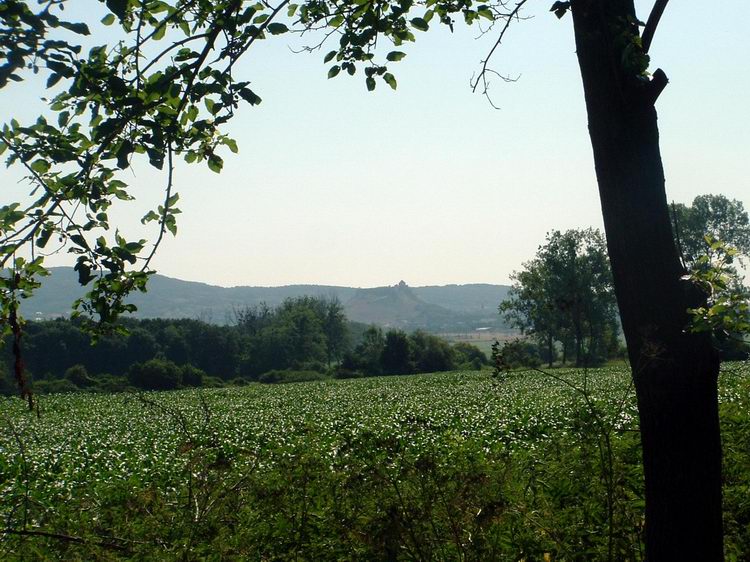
(710, 218)
(565, 296)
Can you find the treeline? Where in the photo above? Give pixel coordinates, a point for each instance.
(304, 338)
(397, 353)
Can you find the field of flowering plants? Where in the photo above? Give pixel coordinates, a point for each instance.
(456, 466)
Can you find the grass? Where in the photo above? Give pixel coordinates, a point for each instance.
(453, 466)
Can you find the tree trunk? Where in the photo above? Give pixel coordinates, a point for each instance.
(675, 372)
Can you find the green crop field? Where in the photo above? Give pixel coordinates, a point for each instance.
(454, 466)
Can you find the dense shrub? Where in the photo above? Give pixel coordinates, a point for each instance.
(7, 385)
(192, 375)
(430, 353)
(54, 386)
(155, 374)
(733, 348)
(278, 376)
(469, 356)
(515, 354)
(396, 358)
(317, 366)
(396, 353)
(112, 383)
(79, 376)
(342, 372)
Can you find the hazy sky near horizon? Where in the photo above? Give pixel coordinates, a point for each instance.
(430, 184)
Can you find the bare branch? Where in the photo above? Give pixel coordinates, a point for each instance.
(652, 23)
(482, 76)
(656, 85)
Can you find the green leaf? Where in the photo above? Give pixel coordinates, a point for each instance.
(84, 272)
(123, 154)
(109, 19)
(171, 224)
(390, 79)
(118, 7)
(160, 32)
(40, 166)
(420, 24)
(215, 163)
(334, 71)
(149, 217)
(395, 56)
(249, 96)
(232, 144)
(62, 119)
(277, 28)
(370, 83)
(43, 238)
(78, 240)
(79, 28)
(329, 56)
(486, 13)
(53, 79)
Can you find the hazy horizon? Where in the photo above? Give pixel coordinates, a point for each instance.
(302, 283)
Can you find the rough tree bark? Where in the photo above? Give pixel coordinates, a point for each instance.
(675, 372)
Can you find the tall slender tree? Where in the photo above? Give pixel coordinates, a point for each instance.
(675, 370)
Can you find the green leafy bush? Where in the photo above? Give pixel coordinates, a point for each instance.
(79, 376)
(515, 354)
(111, 383)
(280, 377)
(192, 375)
(155, 374)
(54, 386)
(341, 372)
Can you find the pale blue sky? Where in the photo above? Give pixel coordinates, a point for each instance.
(430, 184)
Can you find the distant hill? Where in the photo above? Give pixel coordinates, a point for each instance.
(398, 307)
(452, 308)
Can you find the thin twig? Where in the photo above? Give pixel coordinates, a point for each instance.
(483, 72)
